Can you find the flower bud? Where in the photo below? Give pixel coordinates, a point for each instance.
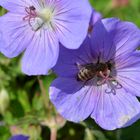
(4, 101)
(34, 132)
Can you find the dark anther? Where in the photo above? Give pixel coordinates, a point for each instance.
(90, 28)
(32, 8)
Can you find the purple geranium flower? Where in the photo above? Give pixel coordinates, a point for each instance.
(101, 79)
(37, 26)
(19, 137)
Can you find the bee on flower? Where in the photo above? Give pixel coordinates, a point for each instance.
(101, 79)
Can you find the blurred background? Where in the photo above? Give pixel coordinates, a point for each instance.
(26, 109)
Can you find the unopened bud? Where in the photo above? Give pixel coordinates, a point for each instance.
(34, 132)
(4, 101)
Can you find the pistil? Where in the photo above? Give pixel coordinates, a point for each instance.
(46, 14)
(31, 14)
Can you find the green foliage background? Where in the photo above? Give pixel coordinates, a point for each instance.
(24, 106)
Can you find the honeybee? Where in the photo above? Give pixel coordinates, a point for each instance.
(89, 71)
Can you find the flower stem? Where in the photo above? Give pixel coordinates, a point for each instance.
(43, 92)
(53, 134)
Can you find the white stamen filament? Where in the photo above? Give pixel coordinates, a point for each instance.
(111, 82)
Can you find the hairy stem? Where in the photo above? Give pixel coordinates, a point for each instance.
(53, 134)
(43, 92)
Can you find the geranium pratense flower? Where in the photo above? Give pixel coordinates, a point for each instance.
(19, 137)
(37, 26)
(101, 79)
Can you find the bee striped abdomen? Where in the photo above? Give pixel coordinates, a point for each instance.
(85, 75)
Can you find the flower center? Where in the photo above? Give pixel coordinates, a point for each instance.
(101, 72)
(46, 14)
(38, 19)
